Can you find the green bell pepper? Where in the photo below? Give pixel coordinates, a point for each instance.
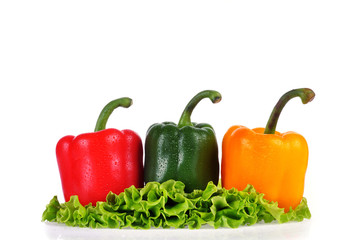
(186, 152)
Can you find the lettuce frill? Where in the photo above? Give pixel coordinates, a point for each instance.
(166, 205)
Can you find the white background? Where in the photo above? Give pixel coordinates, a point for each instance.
(62, 61)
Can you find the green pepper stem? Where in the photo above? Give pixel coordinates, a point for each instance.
(185, 119)
(306, 96)
(108, 109)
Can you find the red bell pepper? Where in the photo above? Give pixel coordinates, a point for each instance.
(92, 164)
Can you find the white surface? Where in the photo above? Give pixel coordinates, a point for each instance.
(62, 61)
(259, 231)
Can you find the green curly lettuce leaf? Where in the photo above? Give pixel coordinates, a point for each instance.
(165, 205)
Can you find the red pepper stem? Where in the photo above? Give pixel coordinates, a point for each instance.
(108, 109)
(306, 96)
(185, 119)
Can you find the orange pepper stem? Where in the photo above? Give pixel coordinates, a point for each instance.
(185, 119)
(306, 96)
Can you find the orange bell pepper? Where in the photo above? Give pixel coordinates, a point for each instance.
(274, 163)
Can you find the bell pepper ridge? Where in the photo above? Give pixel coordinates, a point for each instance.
(306, 95)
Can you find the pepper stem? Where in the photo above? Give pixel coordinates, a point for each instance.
(108, 109)
(306, 96)
(185, 119)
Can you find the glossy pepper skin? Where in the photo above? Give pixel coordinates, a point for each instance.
(186, 152)
(274, 163)
(92, 164)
